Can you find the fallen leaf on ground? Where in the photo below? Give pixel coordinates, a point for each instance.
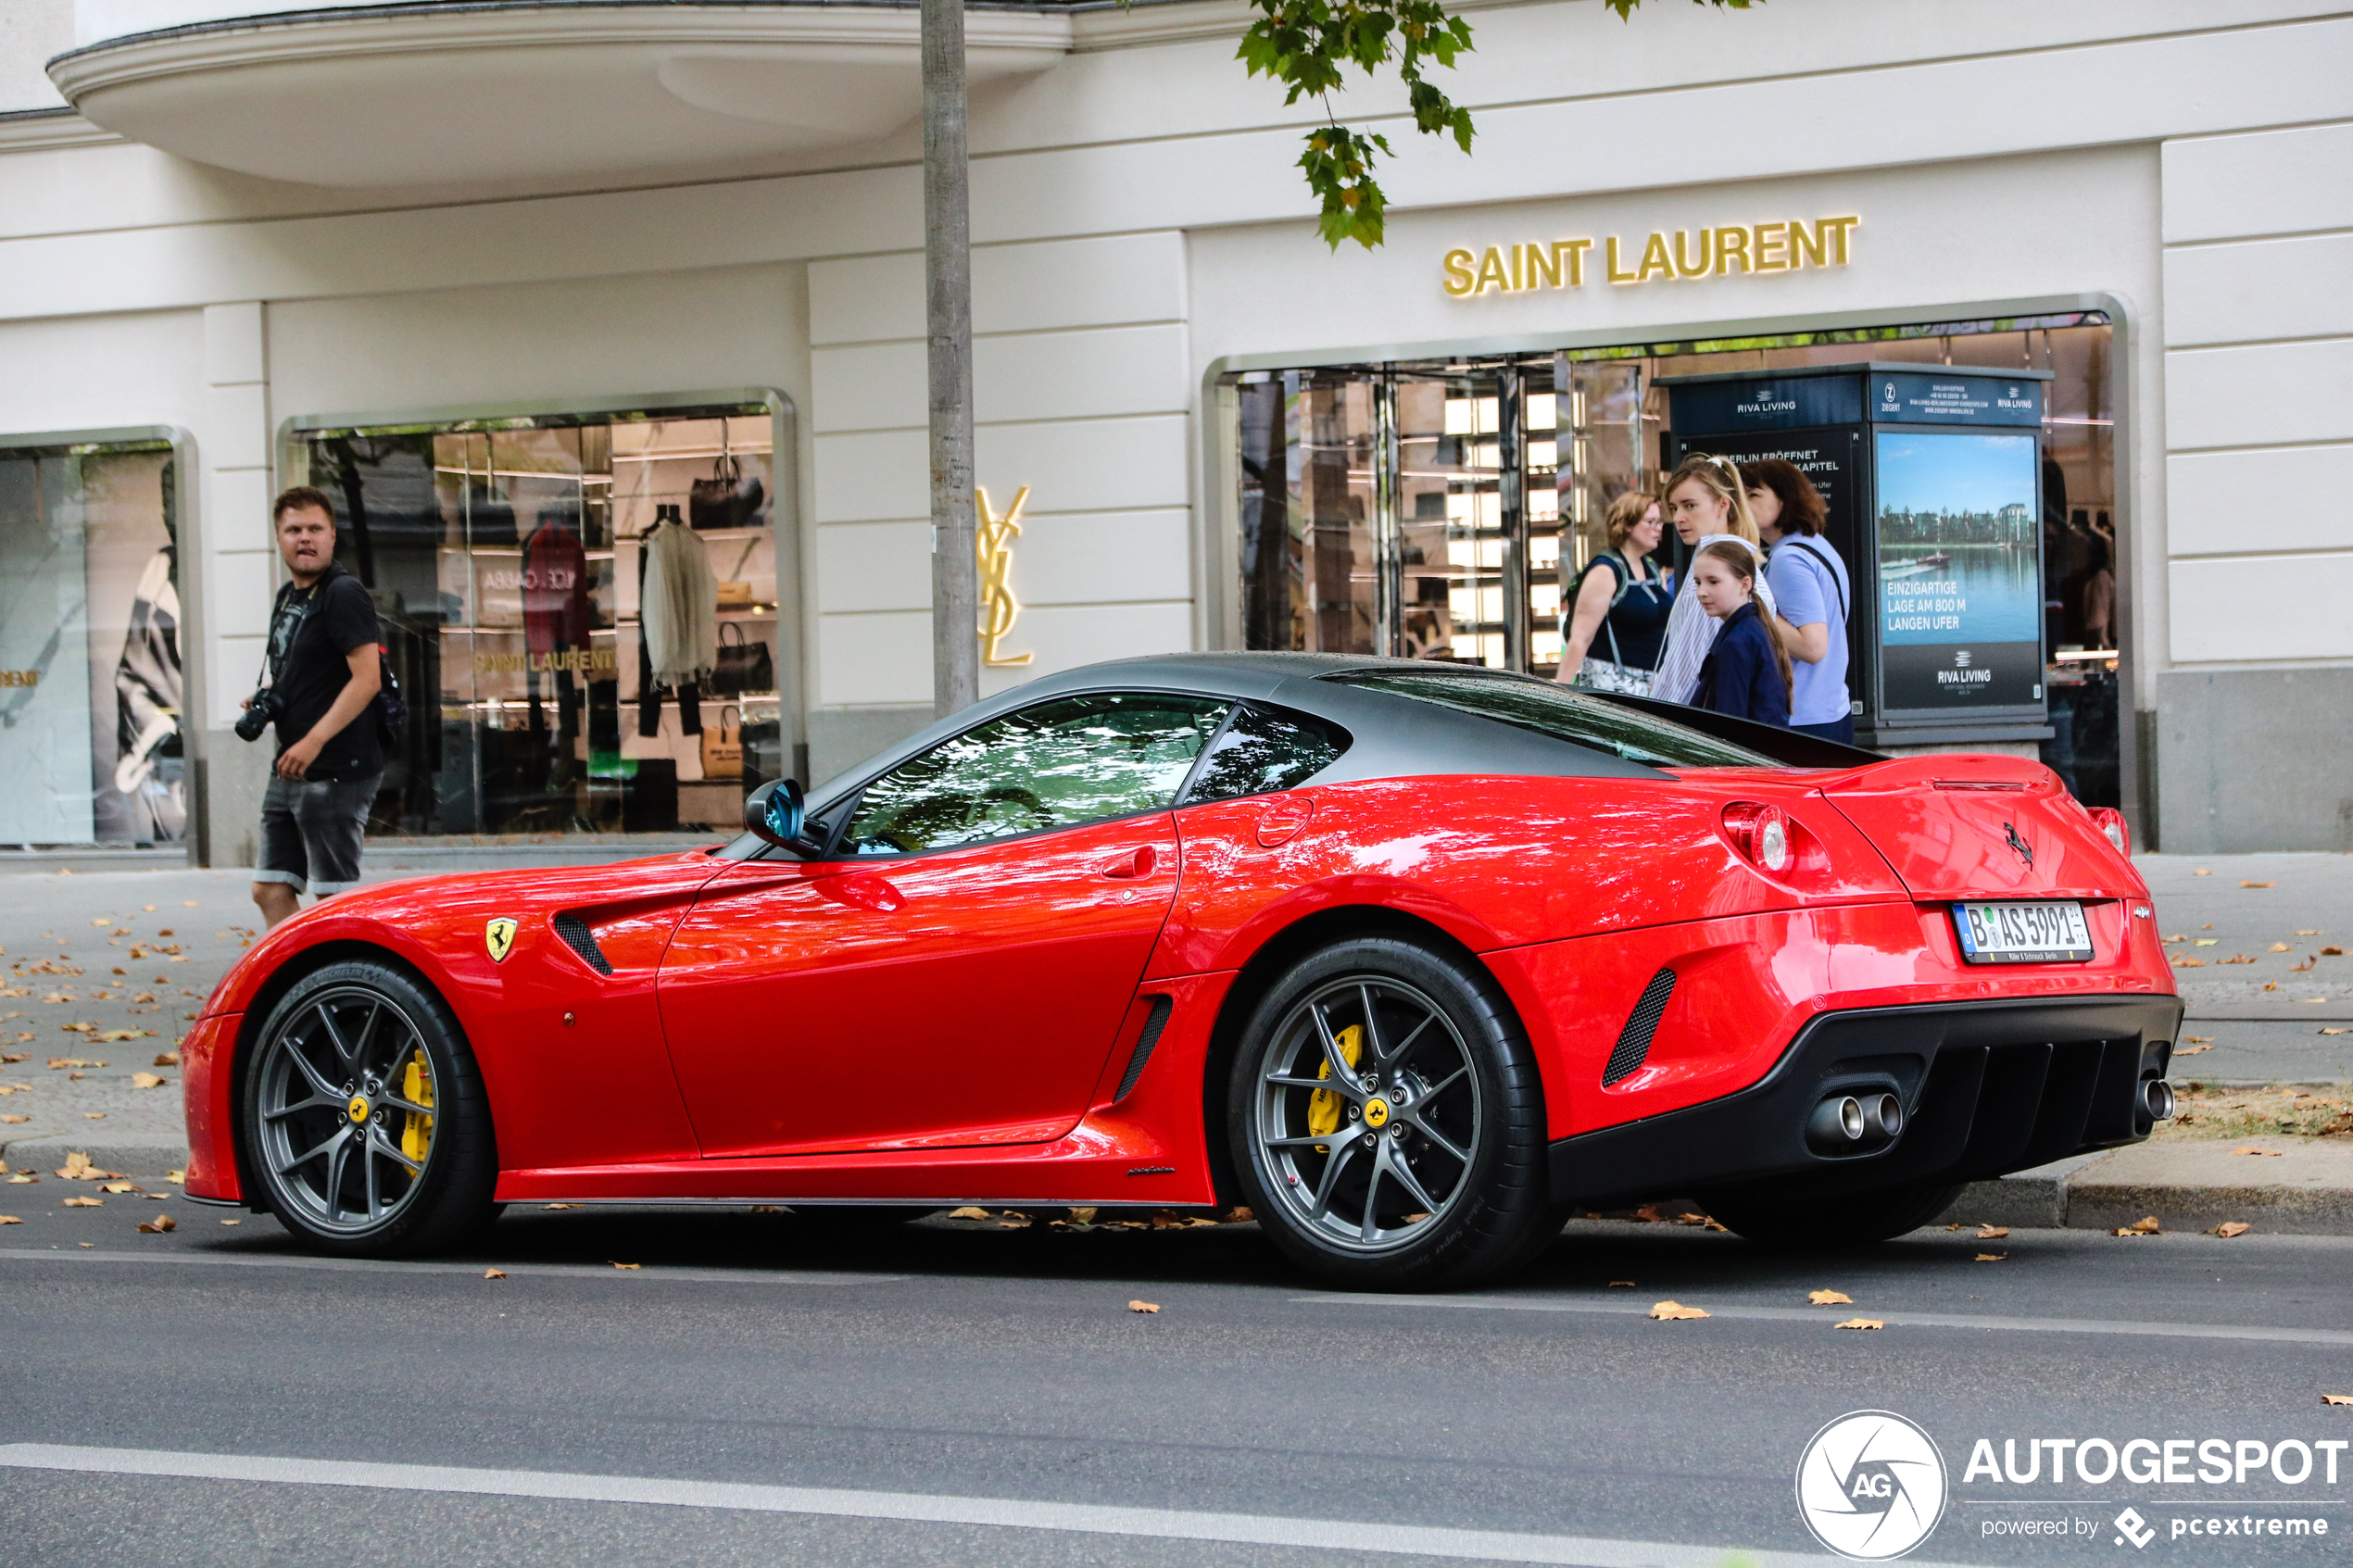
(968, 1213)
(1864, 1322)
(2327, 1031)
(118, 1186)
(2314, 932)
(2332, 952)
(563, 1206)
(1991, 1257)
(1829, 1299)
(20, 1056)
(84, 1202)
(23, 1178)
(175, 1177)
(1013, 1222)
(9, 1220)
(1647, 1214)
(2201, 872)
(2192, 1050)
(159, 1225)
(2337, 1399)
(94, 1116)
(755, 1209)
(494, 1273)
(1621, 1284)
(1080, 1216)
(628, 1265)
(1238, 1215)
(1992, 1233)
(147, 1081)
(78, 1167)
(2259, 884)
(2145, 1225)
(2199, 1039)
(232, 1222)
(1674, 1312)
(2229, 1228)
(166, 1059)
(13, 1120)
(1143, 1306)
(2273, 1152)
(2240, 958)
(2189, 963)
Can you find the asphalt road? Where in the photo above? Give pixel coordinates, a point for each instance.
(901, 1371)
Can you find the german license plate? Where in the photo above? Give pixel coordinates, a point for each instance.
(2022, 932)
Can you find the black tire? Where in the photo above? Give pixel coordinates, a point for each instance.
(1458, 1107)
(1818, 1222)
(359, 1029)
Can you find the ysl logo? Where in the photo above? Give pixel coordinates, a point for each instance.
(2025, 851)
(999, 608)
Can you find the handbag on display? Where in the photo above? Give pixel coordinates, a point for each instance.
(729, 499)
(744, 666)
(735, 592)
(722, 747)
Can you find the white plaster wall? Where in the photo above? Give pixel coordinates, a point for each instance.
(2258, 425)
(31, 31)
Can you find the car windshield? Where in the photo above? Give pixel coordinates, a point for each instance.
(1556, 710)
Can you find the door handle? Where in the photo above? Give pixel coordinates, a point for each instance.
(1140, 863)
(862, 890)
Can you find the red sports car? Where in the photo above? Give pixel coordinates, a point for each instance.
(1408, 958)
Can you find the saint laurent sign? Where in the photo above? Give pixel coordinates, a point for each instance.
(1666, 256)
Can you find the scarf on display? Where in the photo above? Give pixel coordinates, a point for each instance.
(1691, 631)
(680, 606)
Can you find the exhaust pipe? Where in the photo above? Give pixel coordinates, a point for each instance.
(1837, 1125)
(1885, 1114)
(2156, 1100)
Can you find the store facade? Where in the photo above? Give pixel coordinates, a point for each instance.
(1198, 428)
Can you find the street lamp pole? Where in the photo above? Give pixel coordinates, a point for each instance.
(955, 575)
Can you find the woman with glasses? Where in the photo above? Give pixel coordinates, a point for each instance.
(1621, 599)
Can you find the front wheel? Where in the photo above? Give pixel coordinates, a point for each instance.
(1388, 1122)
(1839, 1221)
(365, 1120)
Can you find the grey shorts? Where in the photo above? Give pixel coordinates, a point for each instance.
(312, 832)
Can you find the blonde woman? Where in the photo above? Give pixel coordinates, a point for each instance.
(1705, 500)
(1621, 598)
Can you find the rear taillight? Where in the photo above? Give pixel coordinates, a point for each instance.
(2111, 821)
(1760, 834)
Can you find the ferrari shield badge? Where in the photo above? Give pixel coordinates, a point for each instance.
(499, 937)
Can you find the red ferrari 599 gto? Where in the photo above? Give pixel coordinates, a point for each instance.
(1408, 958)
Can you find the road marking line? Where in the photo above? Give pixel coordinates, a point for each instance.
(516, 1270)
(1895, 1319)
(1165, 1523)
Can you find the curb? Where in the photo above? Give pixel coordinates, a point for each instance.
(149, 1157)
(2119, 1186)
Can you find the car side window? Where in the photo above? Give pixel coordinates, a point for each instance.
(1076, 759)
(1260, 752)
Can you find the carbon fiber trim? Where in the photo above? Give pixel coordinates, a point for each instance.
(1634, 1042)
(1157, 1021)
(580, 939)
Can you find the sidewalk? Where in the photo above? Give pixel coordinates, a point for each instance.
(2250, 1023)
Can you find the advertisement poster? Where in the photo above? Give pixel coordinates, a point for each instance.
(1959, 574)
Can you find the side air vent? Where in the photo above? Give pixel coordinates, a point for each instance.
(1144, 1043)
(580, 939)
(1634, 1044)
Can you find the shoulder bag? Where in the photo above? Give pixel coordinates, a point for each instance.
(745, 665)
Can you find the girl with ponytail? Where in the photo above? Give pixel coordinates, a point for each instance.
(1706, 500)
(1746, 673)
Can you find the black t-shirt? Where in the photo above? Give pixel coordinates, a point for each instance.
(312, 632)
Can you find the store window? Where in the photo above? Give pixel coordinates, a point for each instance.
(589, 602)
(1440, 508)
(90, 672)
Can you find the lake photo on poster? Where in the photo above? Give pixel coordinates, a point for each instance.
(1958, 537)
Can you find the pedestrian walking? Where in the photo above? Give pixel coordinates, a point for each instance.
(1705, 500)
(1746, 673)
(1810, 586)
(1621, 599)
(322, 662)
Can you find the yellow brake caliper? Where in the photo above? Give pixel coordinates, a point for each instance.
(1323, 1106)
(416, 1087)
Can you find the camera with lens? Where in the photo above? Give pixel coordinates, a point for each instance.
(260, 714)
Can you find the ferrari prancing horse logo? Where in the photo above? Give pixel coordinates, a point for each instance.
(499, 937)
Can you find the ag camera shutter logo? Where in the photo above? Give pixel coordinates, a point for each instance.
(1871, 1485)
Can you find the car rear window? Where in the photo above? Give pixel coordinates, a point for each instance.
(1552, 710)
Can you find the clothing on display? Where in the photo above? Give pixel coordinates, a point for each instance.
(148, 766)
(677, 624)
(557, 616)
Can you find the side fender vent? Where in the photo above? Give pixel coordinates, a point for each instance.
(1144, 1043)
(580, 939)
(1634, 1044)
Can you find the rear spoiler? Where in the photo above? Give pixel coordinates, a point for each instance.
(1794, 747)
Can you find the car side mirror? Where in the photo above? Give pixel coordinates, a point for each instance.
(775, 813)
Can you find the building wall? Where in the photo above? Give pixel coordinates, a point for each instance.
(2254, 748)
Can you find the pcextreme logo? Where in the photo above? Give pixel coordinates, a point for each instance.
(1871, 1485)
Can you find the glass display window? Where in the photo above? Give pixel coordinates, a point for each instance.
(591, 601)
(91, 747)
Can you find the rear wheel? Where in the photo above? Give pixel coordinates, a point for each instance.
(1837, 1221)
(364, 1115)
(1386, 1117)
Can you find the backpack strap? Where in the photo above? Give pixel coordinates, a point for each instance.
(1806, 546)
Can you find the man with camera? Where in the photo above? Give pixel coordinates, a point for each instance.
(322, 697)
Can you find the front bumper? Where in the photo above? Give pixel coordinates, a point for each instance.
(1988, 1087)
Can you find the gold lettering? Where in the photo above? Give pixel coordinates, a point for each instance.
(19, 677)
(1576, 249)
(1615, 275)
(1459, 273)
(1706, 254)
(1772, 244)
(1520, 280)
(1545, 262)
(1730, 244)
(999, 608)
(1803, 244)
(1839, 227)
(1655, 261)
(1491, 269)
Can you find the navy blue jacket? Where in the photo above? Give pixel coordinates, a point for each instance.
(1739, 676)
